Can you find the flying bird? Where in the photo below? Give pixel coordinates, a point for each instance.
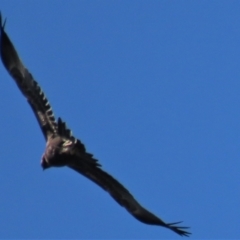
(62, 148)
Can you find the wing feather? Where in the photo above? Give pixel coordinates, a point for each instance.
(122, 196)
(79, 148)
(27, 85)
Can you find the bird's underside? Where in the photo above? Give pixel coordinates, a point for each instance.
(65, 150)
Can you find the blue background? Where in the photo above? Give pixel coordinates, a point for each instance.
(153, 90)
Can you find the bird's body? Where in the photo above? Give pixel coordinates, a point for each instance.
(62, 148)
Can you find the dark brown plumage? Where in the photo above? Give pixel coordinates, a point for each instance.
(62, 148)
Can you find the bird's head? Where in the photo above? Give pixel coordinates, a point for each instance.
(56, 153)
(44, 163)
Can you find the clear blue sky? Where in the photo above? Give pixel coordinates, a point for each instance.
(153, 90)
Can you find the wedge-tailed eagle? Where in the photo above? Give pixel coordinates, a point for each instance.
(62, 148)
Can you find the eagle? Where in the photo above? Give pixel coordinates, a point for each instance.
(62, 148)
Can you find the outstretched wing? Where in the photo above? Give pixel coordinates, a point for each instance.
(123, 196)
(85, 164)
(28, 86)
